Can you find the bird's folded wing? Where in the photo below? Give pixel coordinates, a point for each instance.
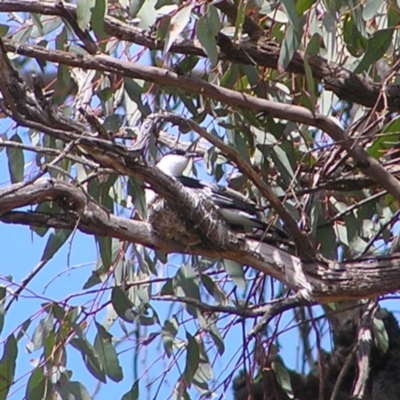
(220, 195)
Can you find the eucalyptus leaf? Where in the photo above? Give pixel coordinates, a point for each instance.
(84, 12)
(16, 160)
(7, 366)
(177, 25)
(235, 271)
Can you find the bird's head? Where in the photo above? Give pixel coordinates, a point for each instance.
(175, 162)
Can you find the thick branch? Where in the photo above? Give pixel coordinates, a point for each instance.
(328, 283)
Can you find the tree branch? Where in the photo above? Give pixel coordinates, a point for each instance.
(263, 51)
(328, 283)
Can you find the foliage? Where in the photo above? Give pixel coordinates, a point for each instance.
(299, 96)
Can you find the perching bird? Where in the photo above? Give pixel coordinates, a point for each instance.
(237, 210)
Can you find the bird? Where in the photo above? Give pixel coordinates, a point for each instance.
(239, 212)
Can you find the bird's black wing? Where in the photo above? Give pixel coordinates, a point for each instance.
(220, 195)
(232, 199)
(224, 197)
(191, 183)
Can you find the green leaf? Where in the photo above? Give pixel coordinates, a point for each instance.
(282, 162)
(213, 289)
(16, 161)
(97, 19)
(204, 373)
(192, 358)
(235, 271)
(79, 391)
(186, 284)
(105, 247)
(4, 29)
(177, 24)
(238, 141)
(122, 305)
(38, 25)
(7, 366)
(216, 337)
(389, 139)
(311, 50)
(168, 287)
(24, 327)
(90, 358)
(213, 20)
(36, 385)
(168, 334)
(380, 335)
(71, 390)
(288, 48)
(283, 378)
(133, 394)
(41, 332)
(376, 48)
(54, 243)
(113, 122)
(84, 12)
(292, 13)
(356, 43)
(134, 88)
(107, 354)
(147, 14)
(303, 5)
(95, 278)
(240, 17)
(327, 238)
(22, 35)
(135, 189)
(207, 40)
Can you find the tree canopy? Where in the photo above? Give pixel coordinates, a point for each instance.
(293, 103)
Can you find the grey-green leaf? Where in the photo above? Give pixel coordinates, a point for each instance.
(169, 332)
(122, 305)
(16, 161)
(192, 358)
(133, 394)
(283, 378)
(36, 385)
(108, 356)
(7, 366)
(90, 358)
(54, 243)
(177, 25)
(105, 247)
(84, 12)
(376, 48)
(207, 40)
(235, 271)
(380, 335)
